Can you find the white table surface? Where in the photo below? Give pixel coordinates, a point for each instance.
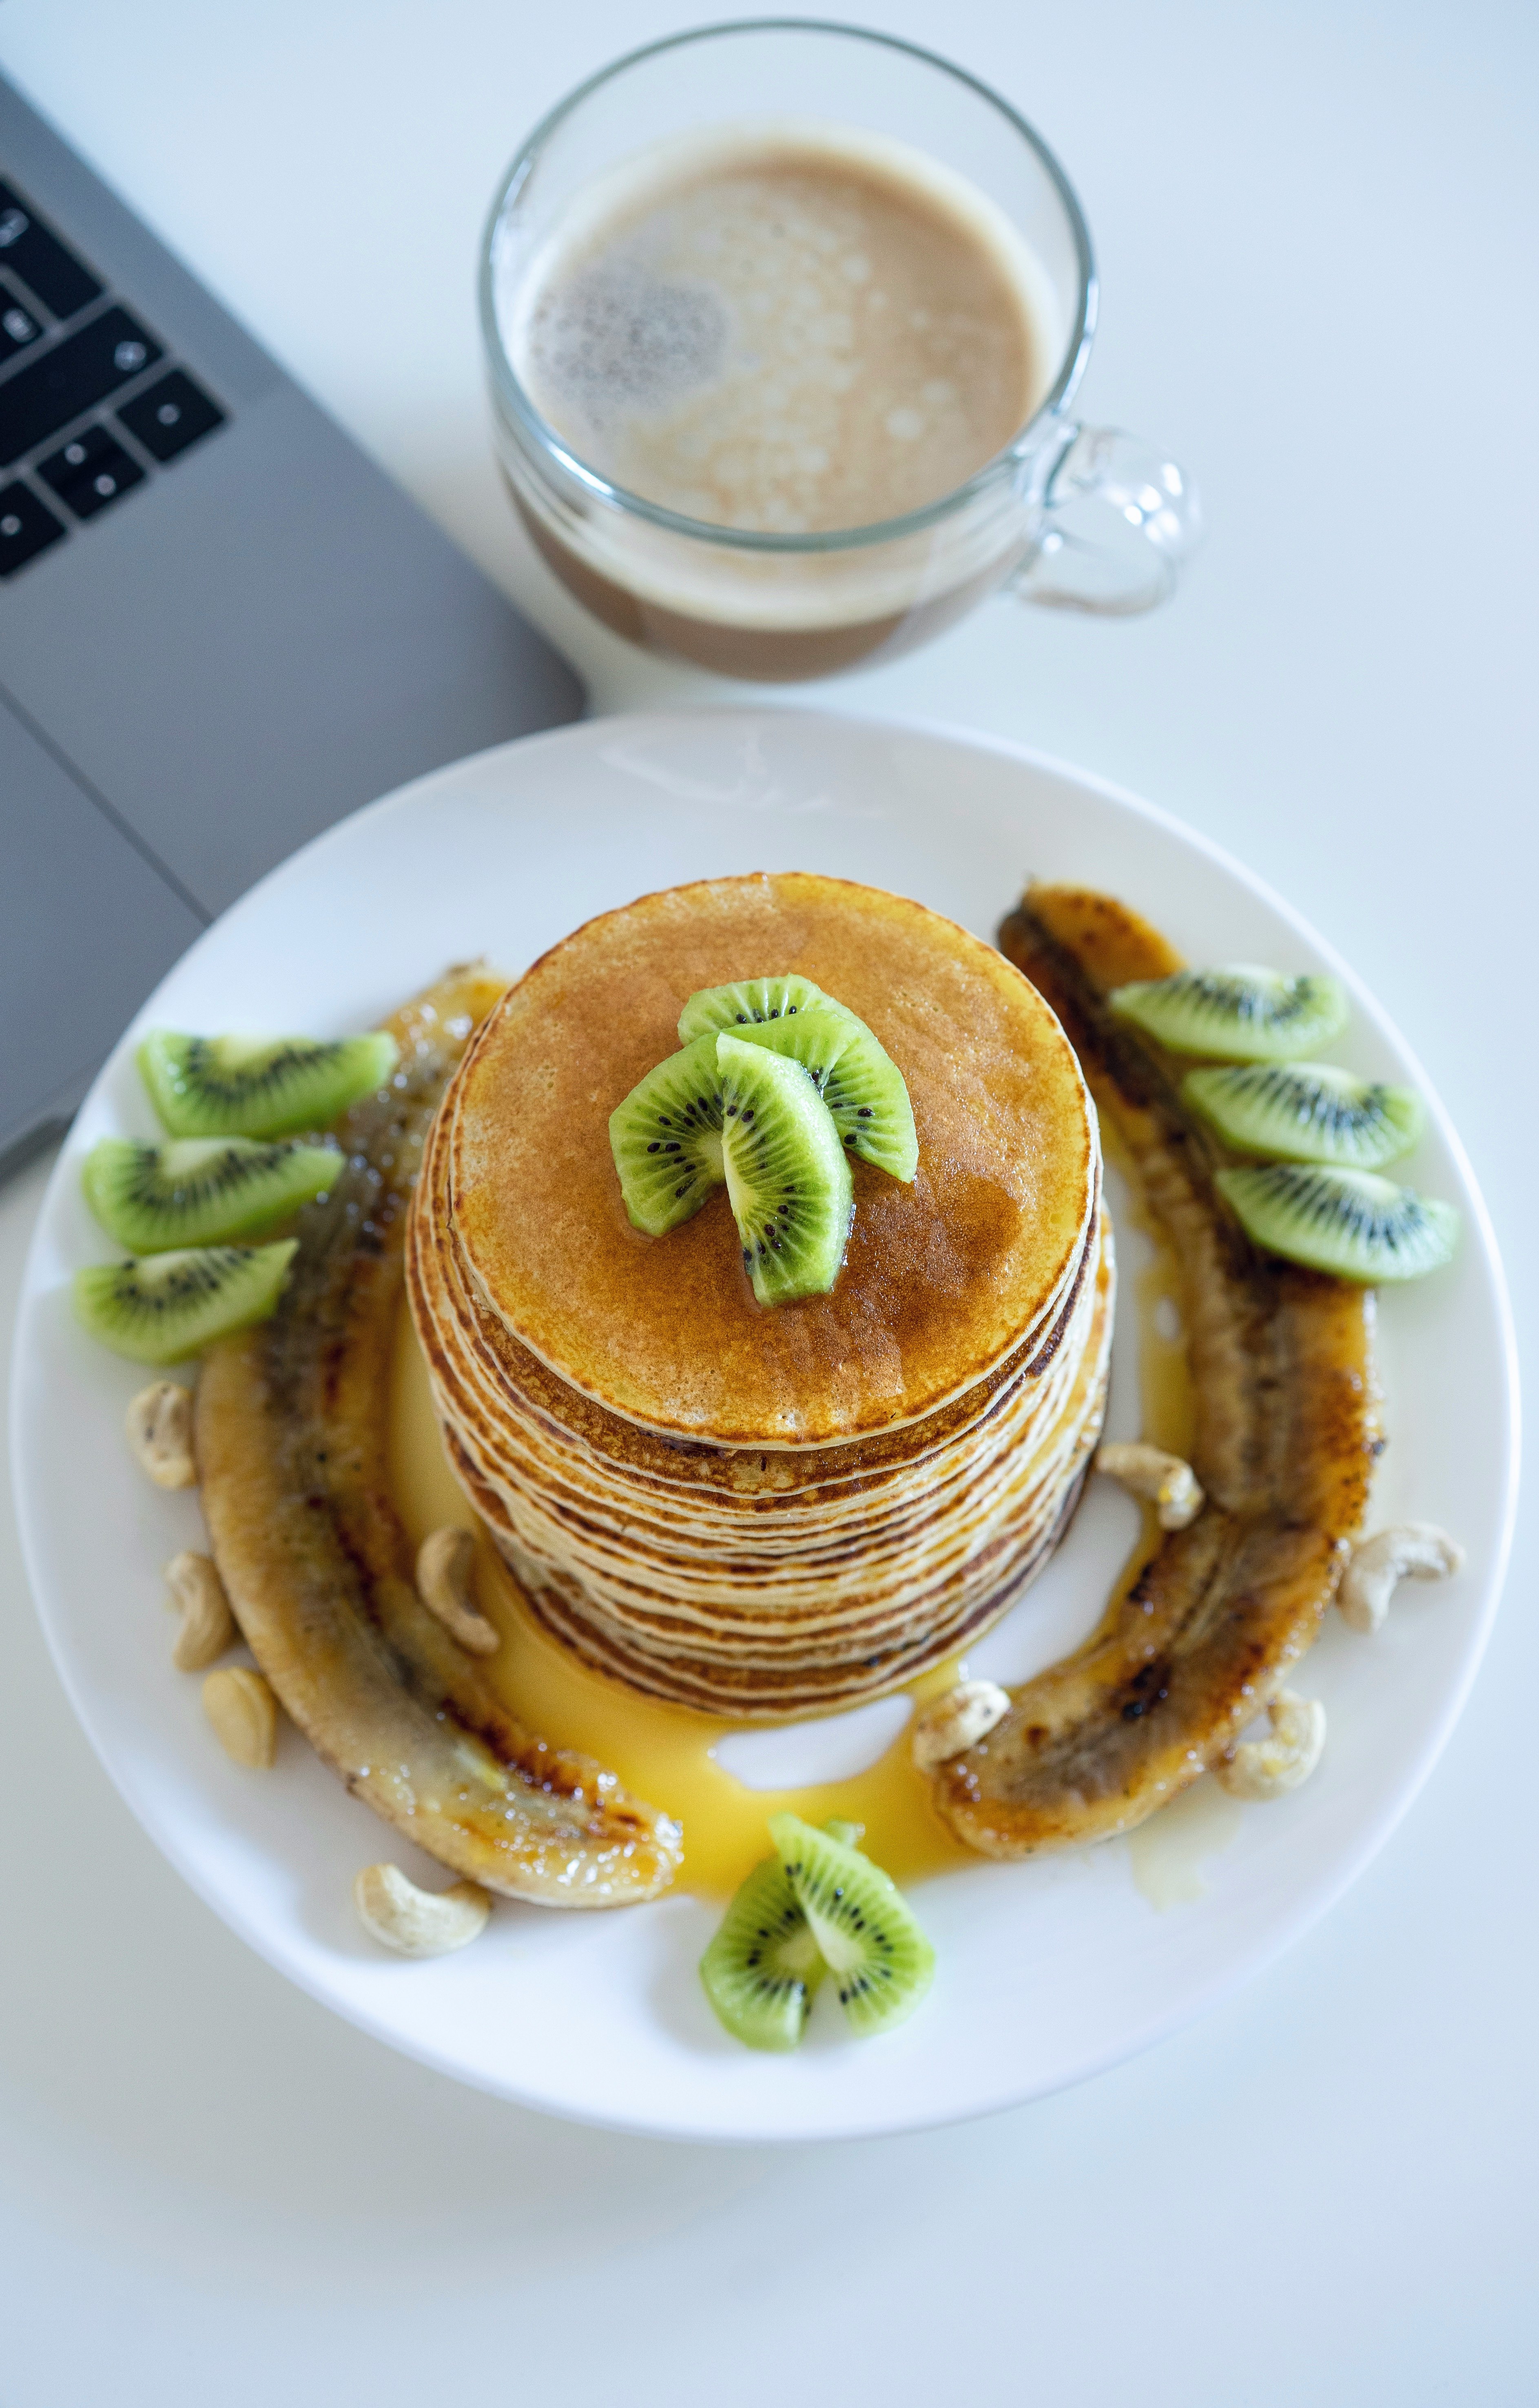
(1316, 224)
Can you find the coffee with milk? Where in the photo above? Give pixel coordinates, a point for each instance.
(793, 331)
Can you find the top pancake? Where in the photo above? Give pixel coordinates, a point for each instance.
(942, 1278)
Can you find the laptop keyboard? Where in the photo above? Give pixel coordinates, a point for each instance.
(67, 349)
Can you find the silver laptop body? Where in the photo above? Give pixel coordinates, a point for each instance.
(221, 627)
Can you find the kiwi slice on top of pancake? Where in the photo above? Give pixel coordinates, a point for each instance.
(752, 1003)
(667, 1141)
(775, 1084)
(860, 1083)
(259, 1086)
(722, 1110)
(787, 1178)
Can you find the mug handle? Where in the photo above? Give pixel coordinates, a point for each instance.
(1114, 525)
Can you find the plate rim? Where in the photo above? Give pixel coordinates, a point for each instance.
(1206, 1993)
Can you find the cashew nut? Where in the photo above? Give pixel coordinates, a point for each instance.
(207, 1626)
(244, 1714)
(445, 1561)
(1418, 1548)
(1167, 1483)
(418, 1922)
(952, 1724)
(1268, 1767)
(160, 1431)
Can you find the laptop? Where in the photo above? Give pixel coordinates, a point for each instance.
(222, 626)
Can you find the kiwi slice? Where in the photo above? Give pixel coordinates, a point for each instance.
(163, 1310)
(259, 1086)
(787, 1178)
(1238, 1013)
(1347, 1222)
(865, 1934)
(763, 1965)
(1306, 1112)
(666, 1138)
(200, 1191)
(721, 1109)
(752, 1002)
(861, 1084)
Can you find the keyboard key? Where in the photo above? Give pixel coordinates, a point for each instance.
(18, 327)
(71, 378)
(172, 414)
(91, 472)
(27, 527)
(60, 281)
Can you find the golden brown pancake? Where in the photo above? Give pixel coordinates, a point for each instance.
(451, 1313)
(821, 1500)
(944, 1279)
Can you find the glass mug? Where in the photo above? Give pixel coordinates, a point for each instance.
(1080, 517)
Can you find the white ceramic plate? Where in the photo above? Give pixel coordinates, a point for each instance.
(1049, 1970)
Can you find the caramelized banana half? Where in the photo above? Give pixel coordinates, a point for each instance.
(1288, 1434)
(291, 1441)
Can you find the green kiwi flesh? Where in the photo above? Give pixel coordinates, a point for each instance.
(666, 1138)
(201, 1191)
(170, 1306)
(1350, 1222)
(246, 1087)
(788, 1176)
(762, 1967)
(1238, 1013)
(1306, 1112)
(866, 1933)
(749, 1003)
(860, 1083)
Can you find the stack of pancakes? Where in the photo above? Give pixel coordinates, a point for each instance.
(763, 1513)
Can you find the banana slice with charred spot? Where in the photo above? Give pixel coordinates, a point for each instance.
(1286, 1412)
(291, 1431)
